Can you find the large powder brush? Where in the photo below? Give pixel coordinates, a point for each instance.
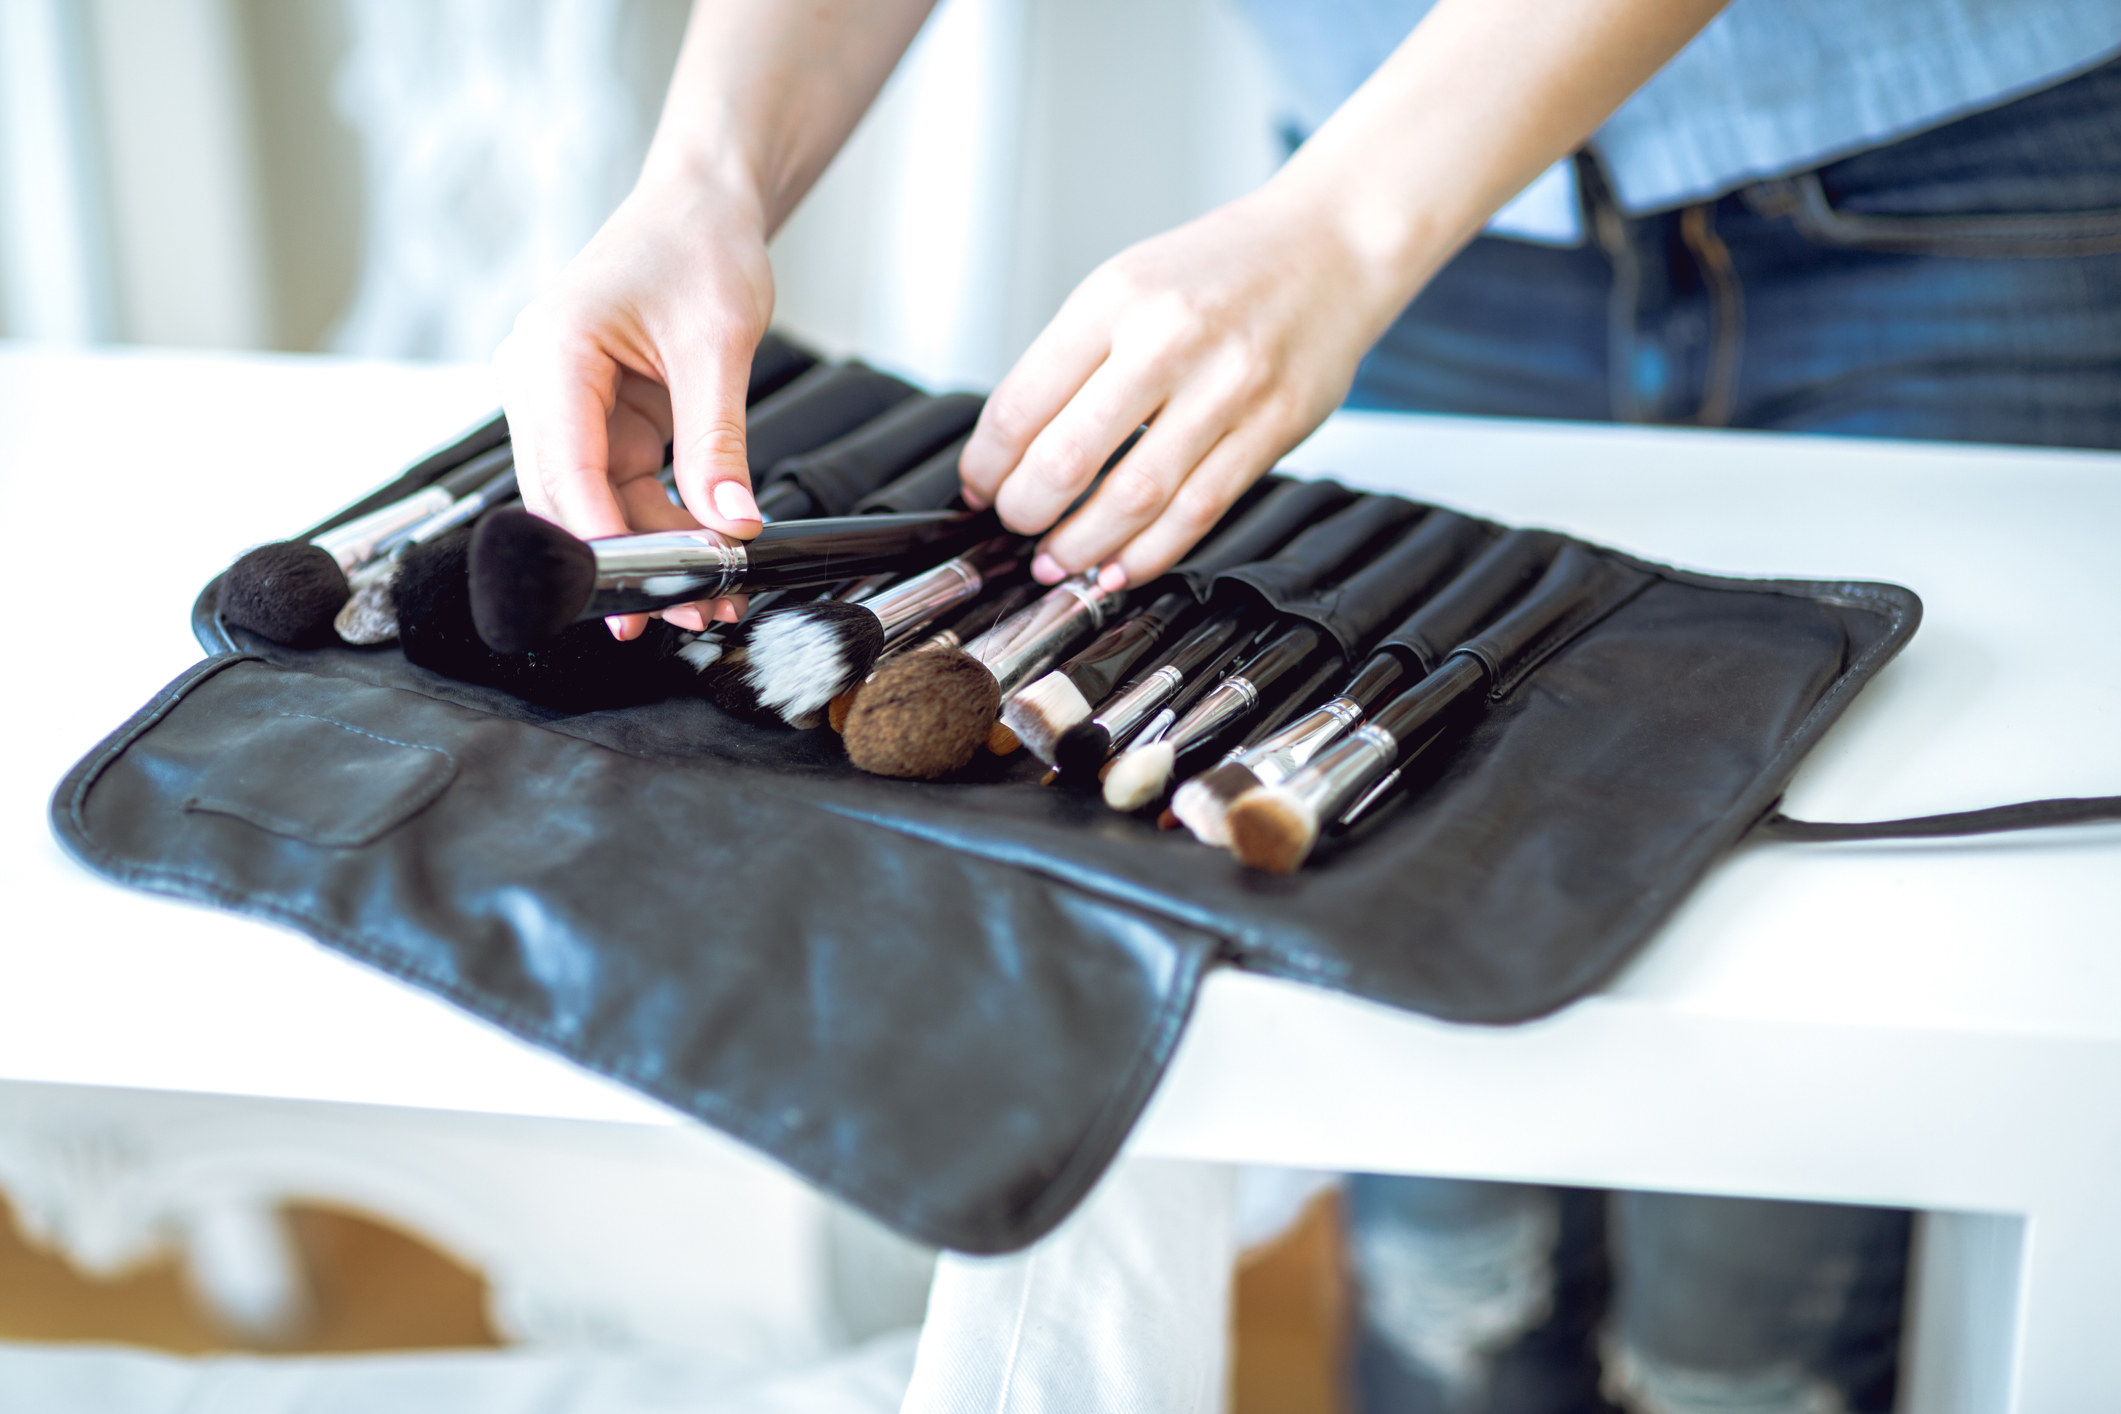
(530, 579)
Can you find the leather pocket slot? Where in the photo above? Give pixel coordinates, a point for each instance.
(322, 782)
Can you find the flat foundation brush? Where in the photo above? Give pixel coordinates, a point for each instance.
(1275, 827)
(530, 578)
(926, 714)
(790, 662)
(1041, 712)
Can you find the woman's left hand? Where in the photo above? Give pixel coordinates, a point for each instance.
(1232, 337)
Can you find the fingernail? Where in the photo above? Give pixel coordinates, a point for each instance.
(734, 501)
(973, 500)
(1112, 578)
(1047, 570)
(619, 627)
(726, 612)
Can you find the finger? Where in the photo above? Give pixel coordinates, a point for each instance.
(648, 507)
(1235, 462)
(1050, 373)
(708, 377)
(1064, 457)
(1134, 493)
(559, 405)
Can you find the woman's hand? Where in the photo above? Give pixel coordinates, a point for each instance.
(645, 341)
(1232, 337)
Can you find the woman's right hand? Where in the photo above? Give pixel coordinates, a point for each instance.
(645, 340)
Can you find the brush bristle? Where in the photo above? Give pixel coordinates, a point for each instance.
(923, 715)
(1044, 712)
(1081, 750)
(286, 592)
(529, 580)
(790, 663)
(701, 653)
(369, 616)
(1271, 829)
(1139, 776)
(1203, 803)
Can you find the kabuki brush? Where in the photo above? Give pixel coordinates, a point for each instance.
(833, 478)
(1315, 555)
(984, 614)
(290, 591)
(1406, 654)
(1043, 710)
(791, 661)
(925, 714)
(530, 579)
(1275, 827)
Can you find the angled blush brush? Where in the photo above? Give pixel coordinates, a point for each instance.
(530, 578)
(1040, 712)
(791, 661)
(925, 714)
(1275, 827)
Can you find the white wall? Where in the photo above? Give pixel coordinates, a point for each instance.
(396, 176)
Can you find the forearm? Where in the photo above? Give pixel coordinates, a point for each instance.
(766, 91)
(1474, 104)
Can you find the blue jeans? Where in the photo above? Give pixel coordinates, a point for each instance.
(1963, 284)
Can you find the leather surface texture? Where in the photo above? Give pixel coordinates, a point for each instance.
(947, 1002)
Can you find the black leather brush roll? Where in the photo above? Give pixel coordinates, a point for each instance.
(947, 1002)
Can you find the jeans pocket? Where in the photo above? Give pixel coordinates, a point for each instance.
(2015, 235)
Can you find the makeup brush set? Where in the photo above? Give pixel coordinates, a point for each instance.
(937, 961)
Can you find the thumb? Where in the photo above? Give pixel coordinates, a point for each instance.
(707, 387)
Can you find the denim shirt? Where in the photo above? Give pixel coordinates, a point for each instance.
(1769, 88)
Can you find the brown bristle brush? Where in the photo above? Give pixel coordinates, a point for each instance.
(926, 714)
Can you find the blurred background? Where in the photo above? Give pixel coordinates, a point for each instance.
(396, 178)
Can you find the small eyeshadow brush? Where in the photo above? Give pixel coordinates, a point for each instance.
(1275, 827)
(1043, 710)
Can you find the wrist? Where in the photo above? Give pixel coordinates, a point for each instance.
(710, 171)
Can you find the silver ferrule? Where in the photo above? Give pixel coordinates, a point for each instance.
(1343, 772)
(903, 608)
(1028, 643)
(1275, 758)
(358, 539)
(1225, 703)
(636, 573)
(1134, 706)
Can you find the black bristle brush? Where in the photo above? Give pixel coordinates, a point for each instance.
(530, 579)
(1045, 709)
(370, 614)
(290, 591)
(1397, 581)
(1275, 827)
(791, 661)
(926, 714)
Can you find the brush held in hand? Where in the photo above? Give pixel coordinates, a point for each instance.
(530, 579)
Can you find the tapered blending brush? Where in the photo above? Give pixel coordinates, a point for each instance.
(1275, 827)
(530, 578)
(291, 590)
(790, 662)
(1402, 576)
(831, 479)
(925, 714)
(1045, 709)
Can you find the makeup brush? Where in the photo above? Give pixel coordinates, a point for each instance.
(1042, 711)
(984, 614)
(290, 591)
(925, 714)
(831, 479)
(1275, 827)
(1083, 748)
(370, 614)
(1405, 654)
(790, 662)
(530, 578)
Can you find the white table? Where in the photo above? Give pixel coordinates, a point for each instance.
(1936, 1026)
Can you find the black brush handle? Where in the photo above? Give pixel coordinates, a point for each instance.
(931, 486)
(1099, 668)
(461, 481)
(1202, 680)
(825, 403)
(1260, 531)
(1304, 696)
(1199, 646)
(799, 554)
(1379, 674)
(1473, 597)
(841, 473)
(1323, 548)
